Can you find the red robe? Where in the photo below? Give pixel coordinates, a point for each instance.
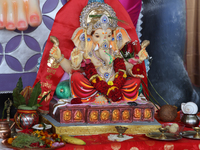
(82, 88)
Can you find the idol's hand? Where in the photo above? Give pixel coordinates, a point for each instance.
(55, 52)
(76, 58)
(142, 55)
(135, 75)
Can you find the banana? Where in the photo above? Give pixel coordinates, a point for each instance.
(72, 140)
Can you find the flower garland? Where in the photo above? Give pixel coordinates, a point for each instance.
(112, 88)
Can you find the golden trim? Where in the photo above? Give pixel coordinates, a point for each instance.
(111, 88)
(101, 129)
(94, 76)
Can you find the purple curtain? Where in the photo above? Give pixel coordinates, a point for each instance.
(133, 8)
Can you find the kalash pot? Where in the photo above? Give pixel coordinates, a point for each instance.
(189, 117)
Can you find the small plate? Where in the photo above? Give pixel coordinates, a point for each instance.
(37, 126)
(189, 134)
(169, 136)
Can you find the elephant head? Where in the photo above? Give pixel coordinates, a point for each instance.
(108, 42)
(99, 32)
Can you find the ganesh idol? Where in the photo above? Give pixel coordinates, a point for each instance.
(98, 71)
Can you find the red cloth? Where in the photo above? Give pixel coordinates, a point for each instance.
(138, 142)
(66, 21)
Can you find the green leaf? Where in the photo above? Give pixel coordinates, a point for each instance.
(43, 98)
(24, 107)
(44, 126)
(95, 16)
(18, 99)
(37, 105)
(20, 85)
(34, 95)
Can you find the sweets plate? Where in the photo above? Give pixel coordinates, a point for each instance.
(40, 126)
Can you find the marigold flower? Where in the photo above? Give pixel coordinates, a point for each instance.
(110, 83)
(10, 140)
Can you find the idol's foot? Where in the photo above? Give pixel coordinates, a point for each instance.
(18, 14)
(101, 100)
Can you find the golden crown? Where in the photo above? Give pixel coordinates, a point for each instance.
(98, 15)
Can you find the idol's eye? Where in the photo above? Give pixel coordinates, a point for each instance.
(97, 36)
(109, 35)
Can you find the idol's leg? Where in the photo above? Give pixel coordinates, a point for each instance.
(2, 14)
(10, 15)
(81, 87)
(21, 16)
(19, 13)
(130, 89)
(34, 16)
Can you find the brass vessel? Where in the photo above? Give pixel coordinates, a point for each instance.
(5, 130)
(190, 120)
(121, 130)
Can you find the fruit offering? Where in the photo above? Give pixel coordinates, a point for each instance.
(173, 128)
(73, 140)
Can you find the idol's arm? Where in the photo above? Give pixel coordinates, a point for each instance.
(64, 63)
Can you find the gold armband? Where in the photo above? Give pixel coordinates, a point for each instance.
(94, 76)
(60, 59)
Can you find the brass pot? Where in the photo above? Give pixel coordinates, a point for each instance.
(5, 131)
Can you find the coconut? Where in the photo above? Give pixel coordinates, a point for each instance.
(167, 113)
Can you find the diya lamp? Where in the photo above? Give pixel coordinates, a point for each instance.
(197, 135)
(121, 130)
(189, 117)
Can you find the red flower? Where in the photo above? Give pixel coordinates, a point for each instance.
(102, 86)
(76, 101)
(37, 144)
(27, 131)
(130, 48)
(119, 64)
(137, 69)
(115, 95)
(90, 70)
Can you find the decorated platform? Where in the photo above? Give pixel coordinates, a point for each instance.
(101, 114)
(136, 127)
(90, 119)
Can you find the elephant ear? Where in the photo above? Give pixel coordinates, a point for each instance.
(78, 38)
(122, 37)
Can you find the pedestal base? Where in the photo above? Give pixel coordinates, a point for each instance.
(136, 127)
